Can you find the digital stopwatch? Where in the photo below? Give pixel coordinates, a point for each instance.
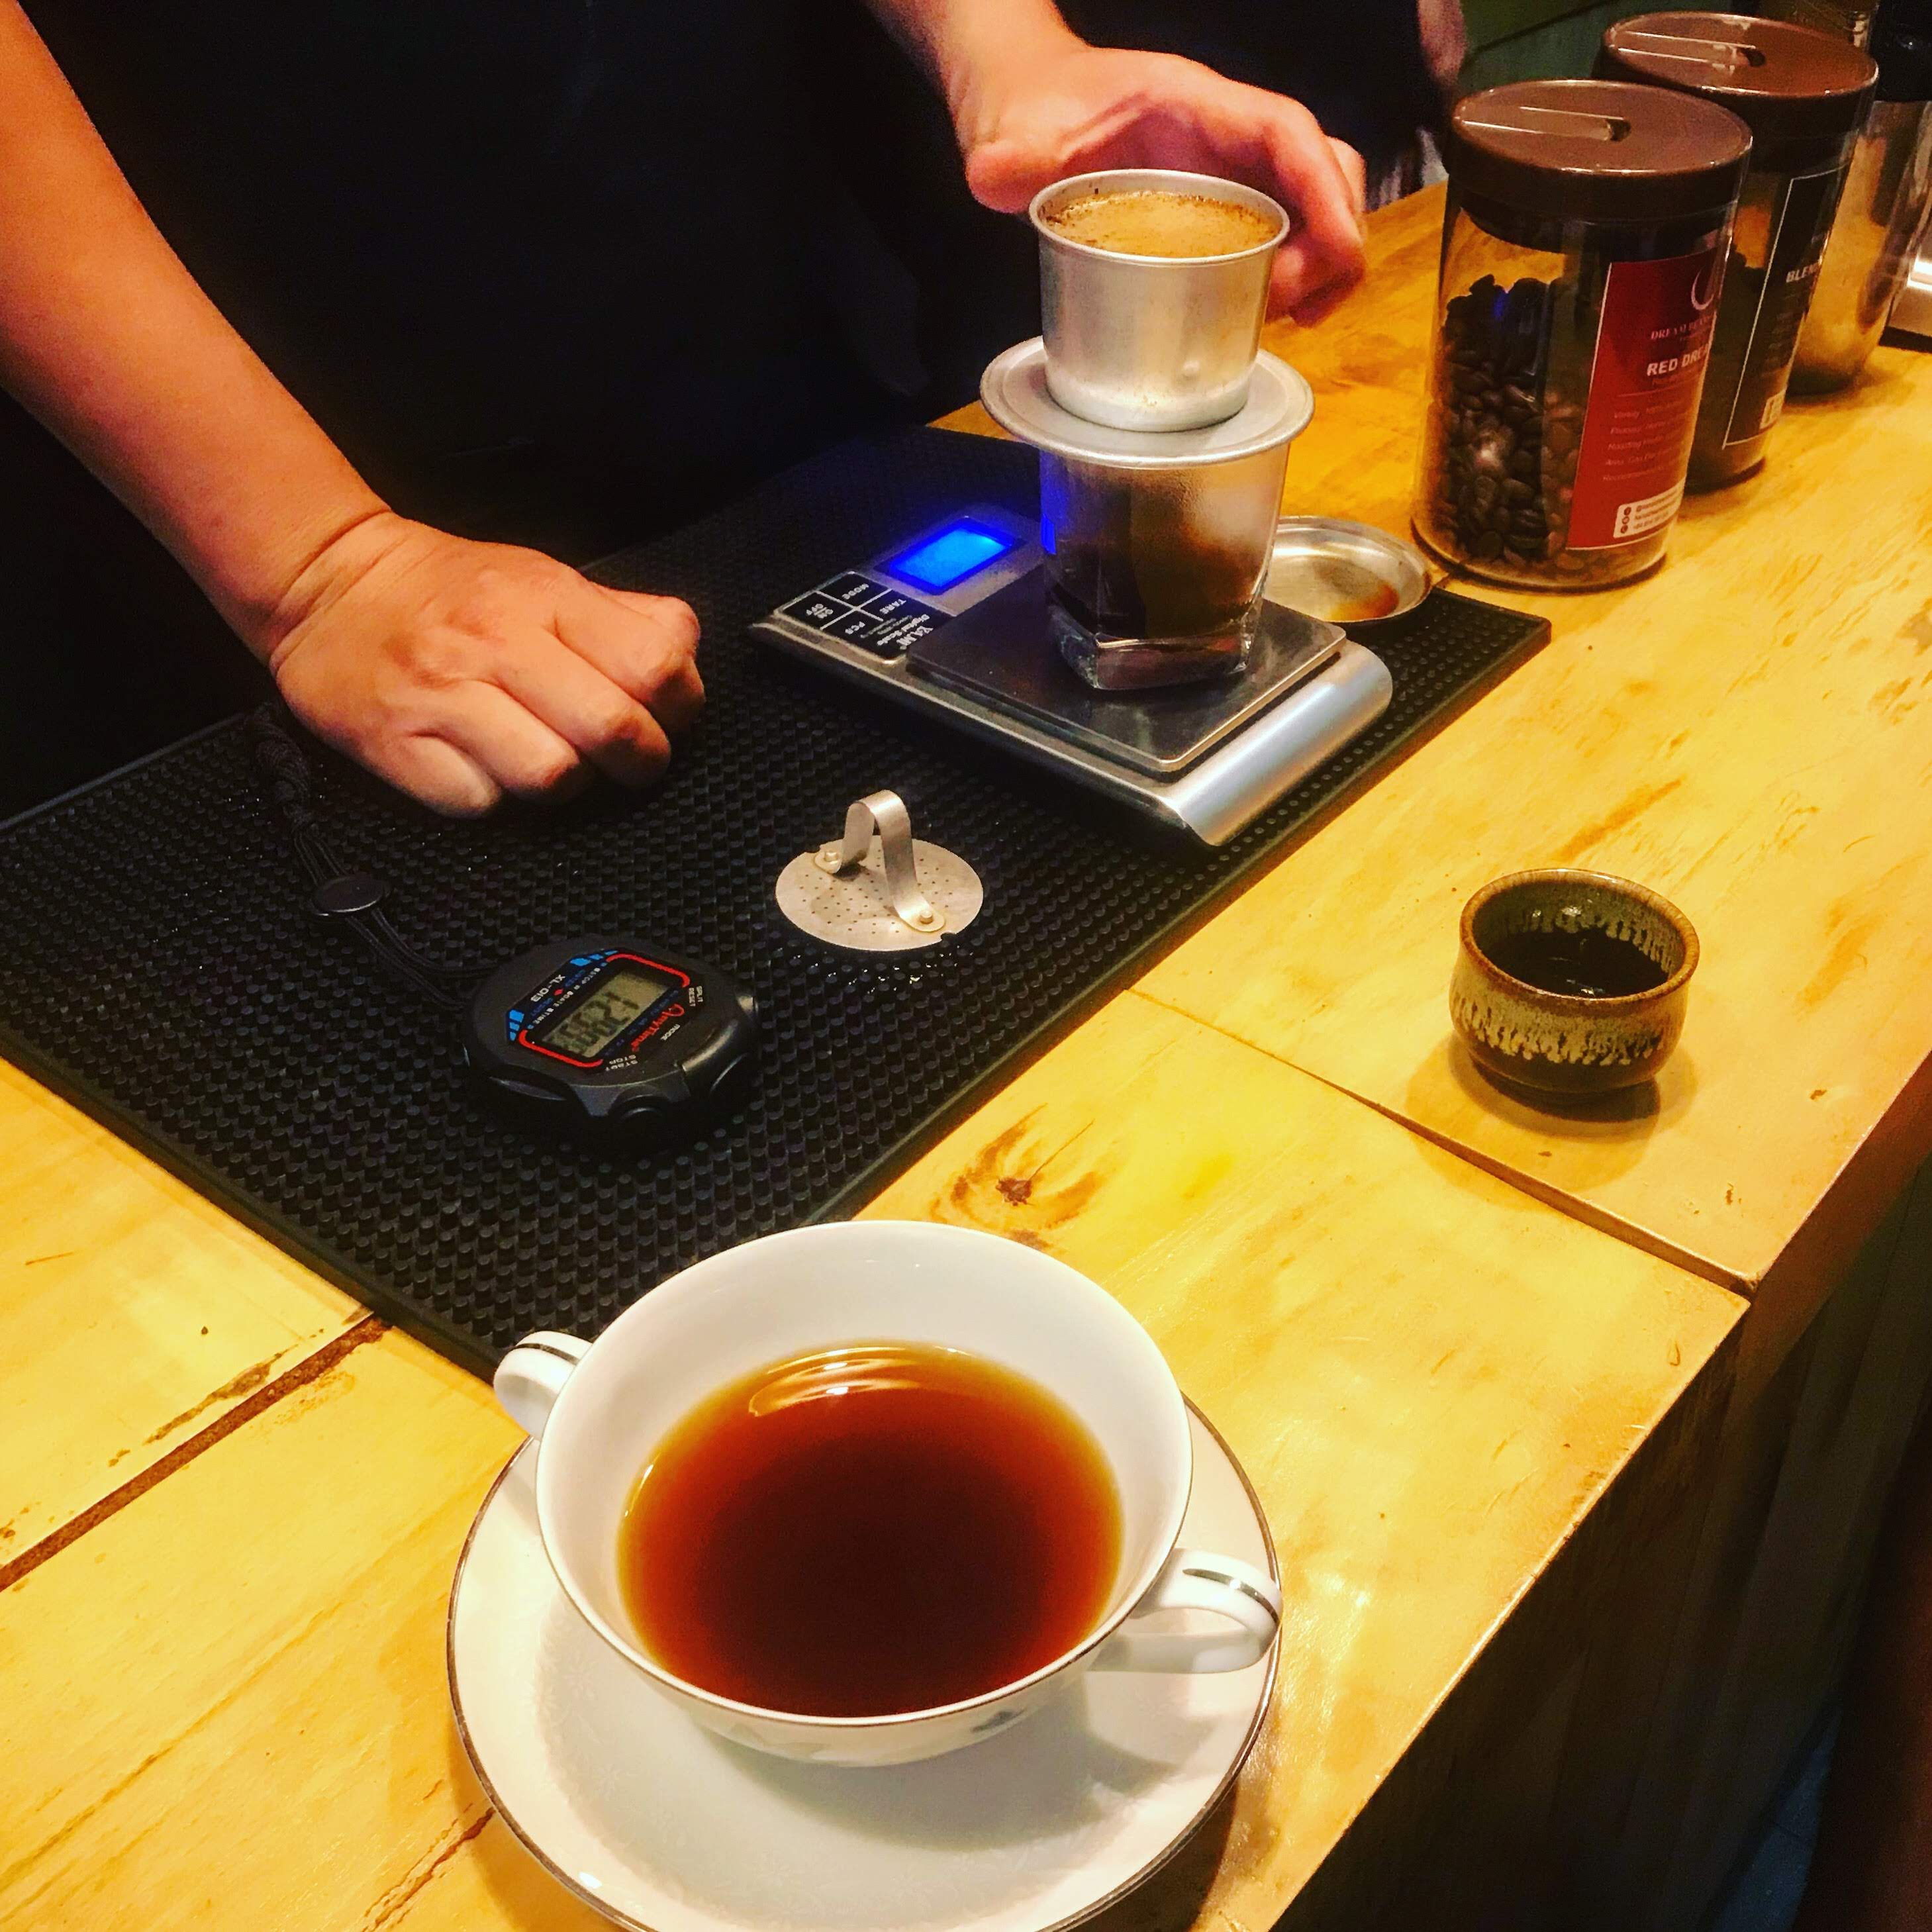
(600, 1038)
(611, 1035)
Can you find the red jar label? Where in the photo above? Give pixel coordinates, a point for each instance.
(1653, 342)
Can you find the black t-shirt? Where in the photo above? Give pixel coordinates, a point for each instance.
(568, 270)
(562, 272)
(508, 252)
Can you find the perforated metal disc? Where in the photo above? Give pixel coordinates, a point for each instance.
(853, 911)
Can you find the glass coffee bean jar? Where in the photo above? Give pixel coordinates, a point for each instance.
(1803, 93)
(1581, 252)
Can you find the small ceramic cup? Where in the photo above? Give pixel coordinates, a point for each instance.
(1577, 1045)
(599, 1409)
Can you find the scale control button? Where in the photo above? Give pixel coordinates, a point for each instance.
(899, 634)
(855, 627)
(820, 611)
(850, 588)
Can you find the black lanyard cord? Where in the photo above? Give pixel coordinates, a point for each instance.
(350, 898)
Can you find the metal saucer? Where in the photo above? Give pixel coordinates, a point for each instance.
(1014, 392)
(1347, 573)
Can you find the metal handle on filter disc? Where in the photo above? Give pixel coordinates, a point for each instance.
(911, 894)
(884, 812)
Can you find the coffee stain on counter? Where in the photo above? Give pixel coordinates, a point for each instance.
(1007, 1188)
(246, 1383)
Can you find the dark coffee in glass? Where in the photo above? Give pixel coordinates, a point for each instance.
(1155, 575)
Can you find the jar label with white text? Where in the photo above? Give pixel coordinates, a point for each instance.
(1800, 228)
(1653, 342)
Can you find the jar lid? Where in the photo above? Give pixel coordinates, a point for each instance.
(1785, 81)
(1597, 150)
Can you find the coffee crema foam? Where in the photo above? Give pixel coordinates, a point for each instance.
(1159, 221)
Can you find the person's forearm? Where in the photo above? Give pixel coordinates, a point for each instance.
(967, 47)
(106, 337)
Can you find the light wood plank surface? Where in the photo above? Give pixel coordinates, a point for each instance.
(1749, 732)
(1481, 1427)
(225, 1701)
(133, 1313)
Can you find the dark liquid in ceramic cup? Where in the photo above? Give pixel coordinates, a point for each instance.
(878, 1529)
(1591, 964)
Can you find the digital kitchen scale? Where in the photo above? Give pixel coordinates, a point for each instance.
(953, 621)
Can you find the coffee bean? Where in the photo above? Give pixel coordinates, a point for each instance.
(1503, 429)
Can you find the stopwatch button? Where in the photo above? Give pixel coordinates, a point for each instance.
(729, 1088)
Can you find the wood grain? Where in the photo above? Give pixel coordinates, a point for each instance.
(1749, 731)
(1484, 1432)
(225, 1698)
(133, 1313)
(1361, 1317)
(233, 1691)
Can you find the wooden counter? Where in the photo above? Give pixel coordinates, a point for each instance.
(1487, 1411)
(223, 1693)
(1748, 730)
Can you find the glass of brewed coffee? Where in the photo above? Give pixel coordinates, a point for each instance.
(1155, 574)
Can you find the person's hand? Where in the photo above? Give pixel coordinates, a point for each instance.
(459, 671)
(1038, 120)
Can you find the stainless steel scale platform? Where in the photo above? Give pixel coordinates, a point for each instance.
(953, 622)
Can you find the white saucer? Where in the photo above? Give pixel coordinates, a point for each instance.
(661, 1825)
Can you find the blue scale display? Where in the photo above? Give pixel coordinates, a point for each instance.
(887, 606)
(951, 555)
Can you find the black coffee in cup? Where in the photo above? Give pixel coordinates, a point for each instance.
(870, 1530)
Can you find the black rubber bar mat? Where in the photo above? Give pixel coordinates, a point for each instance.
(158, 963)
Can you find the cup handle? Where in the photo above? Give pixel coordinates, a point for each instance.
(531, 1377)
(1198, 1580)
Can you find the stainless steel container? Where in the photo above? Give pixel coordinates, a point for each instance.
(1911, 312)
(1880, 215)
(1344, 572)
(1155, 543)
(1151, 342)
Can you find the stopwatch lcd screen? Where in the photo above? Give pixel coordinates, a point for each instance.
(585, 1029)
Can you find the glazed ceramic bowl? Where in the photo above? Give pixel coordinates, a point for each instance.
(1524, 1035)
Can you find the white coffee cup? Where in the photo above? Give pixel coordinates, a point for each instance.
(599, 1409)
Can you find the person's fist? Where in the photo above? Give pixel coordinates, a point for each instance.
(1083, 108)
(459, 671)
